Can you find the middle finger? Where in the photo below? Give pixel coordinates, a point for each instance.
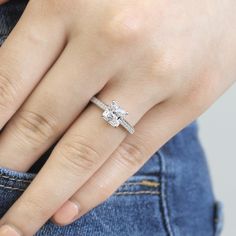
(55, 103)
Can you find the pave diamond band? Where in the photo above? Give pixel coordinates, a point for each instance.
(113, 114)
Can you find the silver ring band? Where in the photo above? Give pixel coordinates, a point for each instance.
(113, 114)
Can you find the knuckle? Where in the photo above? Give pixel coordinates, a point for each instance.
(167, 68)
(168, 64)
(130, 154)
(123, 27)
(200, 92)
(58, 6)
(80, 154)
(7, 91)
(35, 127)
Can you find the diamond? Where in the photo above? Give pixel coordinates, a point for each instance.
(113, 114)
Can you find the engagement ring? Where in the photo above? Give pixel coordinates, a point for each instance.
(113, 114)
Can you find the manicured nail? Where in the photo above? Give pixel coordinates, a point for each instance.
(7, 230)
(67, 213)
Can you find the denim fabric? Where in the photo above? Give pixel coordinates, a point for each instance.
(171, 195)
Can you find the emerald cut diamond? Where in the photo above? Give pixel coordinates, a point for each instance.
(114, 114)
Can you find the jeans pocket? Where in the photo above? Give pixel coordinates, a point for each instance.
(218, 218)
(134, 209)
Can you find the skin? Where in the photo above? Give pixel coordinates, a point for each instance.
(165, 62)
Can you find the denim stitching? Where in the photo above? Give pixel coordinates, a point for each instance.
(8, 187)
(143, 183)
(15, 179)
(131, 183)
(137, 192)
(116, 193)
(164, 203)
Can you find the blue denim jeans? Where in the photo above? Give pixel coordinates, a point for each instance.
(171, 195)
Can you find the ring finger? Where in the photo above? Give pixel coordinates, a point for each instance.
(153, 130)
(81, 151)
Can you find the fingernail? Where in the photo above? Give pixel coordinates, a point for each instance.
(67, 213)
(7, 230)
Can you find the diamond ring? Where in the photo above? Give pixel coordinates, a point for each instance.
(113, 114)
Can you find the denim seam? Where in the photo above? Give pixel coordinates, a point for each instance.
(12, 188)
(137, 192)
(116, 193)
(164, 203)
(144, 184)
(156, 183)
(15, 179)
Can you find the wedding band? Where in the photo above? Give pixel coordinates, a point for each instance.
(113, 114)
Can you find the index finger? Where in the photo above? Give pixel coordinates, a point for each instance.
(26, 55)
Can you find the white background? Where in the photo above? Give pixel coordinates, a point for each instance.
(218, 135)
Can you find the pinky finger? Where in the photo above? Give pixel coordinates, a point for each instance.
(155, 128)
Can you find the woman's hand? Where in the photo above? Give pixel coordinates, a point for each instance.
(165, 62)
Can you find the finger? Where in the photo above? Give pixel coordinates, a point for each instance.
(3, 1)
(80, 152)
(153, 130)
(28, 52)
(40, 122)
